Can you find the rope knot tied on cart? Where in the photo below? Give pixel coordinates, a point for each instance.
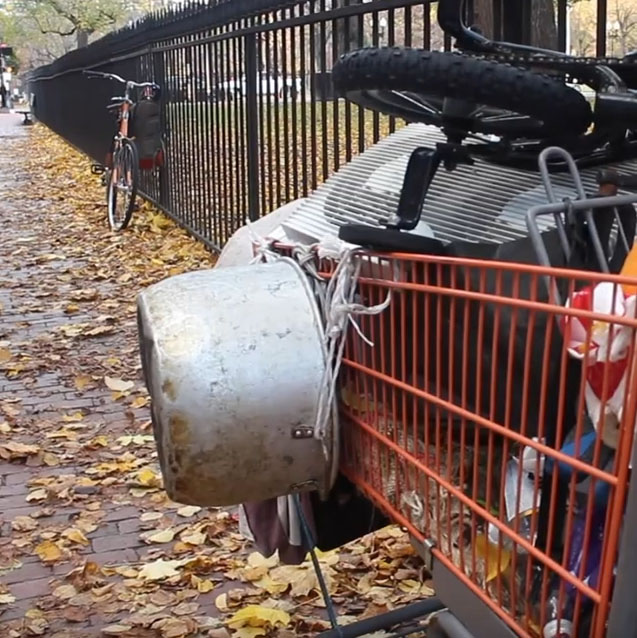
(338, 306)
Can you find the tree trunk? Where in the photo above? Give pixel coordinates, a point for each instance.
(82, 38)
(483, 16)
(347, 34)
(543, 24)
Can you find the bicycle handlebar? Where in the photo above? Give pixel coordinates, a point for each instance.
(109, 76)
(117, 78)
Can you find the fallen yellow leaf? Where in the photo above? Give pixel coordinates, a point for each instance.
(136, 439)
(65, 592)
(271, 586)
(15, 450)
(81, 381)
(50, 459)
(164, 536)
(221, 602)
(181, 548)
(188, 510)
(99, 330)
(48, 551)
(72, 418)
(88, 294)
(75, 536)
(37, 495)
(258, 560)
(195, 538)
(258, 616)
(203, 585)
(99, 441)
(36, 626)
(7, 599)
(118, 385)
(5, 355)
(140, 402)
(62, 433)
(23, 524)
(150, 516)
(148, 478)
(116, 630)
(160, 569)
(409, 586)
(249, 632)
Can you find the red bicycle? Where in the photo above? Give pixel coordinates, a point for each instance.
(121, 169)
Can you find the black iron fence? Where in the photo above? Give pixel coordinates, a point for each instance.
(248, 112)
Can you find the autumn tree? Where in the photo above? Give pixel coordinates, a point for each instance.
(63, 19)
(623, 25)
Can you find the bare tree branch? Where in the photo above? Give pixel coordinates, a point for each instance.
(46, 30)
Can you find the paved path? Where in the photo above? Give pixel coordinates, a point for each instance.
(62, 276)
(83, 518)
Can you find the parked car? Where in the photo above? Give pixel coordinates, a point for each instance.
(176, 88)
(275, 86)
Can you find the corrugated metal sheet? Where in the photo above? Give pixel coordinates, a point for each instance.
(483, 202)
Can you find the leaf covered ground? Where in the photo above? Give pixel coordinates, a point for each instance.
(90, 545)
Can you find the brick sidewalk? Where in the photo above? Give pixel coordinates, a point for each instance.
(85, 528)
(53, 397)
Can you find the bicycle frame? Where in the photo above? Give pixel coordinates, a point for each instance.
(615, 105)
(603, 78)
(124, 115)
(122, 143)
(123, 104)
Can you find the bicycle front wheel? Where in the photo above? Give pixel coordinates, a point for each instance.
(459, 92)
(122, 185)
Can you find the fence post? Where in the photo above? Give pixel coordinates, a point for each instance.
(159, 76)
(252, 133)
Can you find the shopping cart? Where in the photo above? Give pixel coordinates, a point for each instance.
(469, 423)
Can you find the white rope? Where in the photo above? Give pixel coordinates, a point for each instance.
(338, 309)
(263, 249)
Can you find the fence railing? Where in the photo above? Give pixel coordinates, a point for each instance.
(249, 117)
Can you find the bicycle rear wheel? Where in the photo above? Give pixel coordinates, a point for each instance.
(122, 185)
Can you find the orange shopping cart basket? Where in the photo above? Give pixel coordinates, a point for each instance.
(494, 419)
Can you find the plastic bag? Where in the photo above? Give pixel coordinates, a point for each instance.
(605, 353)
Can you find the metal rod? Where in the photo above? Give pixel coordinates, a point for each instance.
(385, 621)
(623, 612)
(252, 115)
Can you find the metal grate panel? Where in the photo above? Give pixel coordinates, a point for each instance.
(483, 202)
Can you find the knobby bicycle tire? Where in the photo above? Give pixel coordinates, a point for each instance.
(126, 148)
(560, 109)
